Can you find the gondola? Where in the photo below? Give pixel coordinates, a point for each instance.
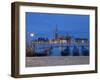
(85, 51)
(75, 51)
(66, 51)
(45, 52)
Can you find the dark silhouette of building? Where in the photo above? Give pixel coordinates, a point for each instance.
(82, 40)
(56, 32)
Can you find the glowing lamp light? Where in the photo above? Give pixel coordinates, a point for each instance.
(82, 41)
(32, 34)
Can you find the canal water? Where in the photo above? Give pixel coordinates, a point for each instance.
(56, 49)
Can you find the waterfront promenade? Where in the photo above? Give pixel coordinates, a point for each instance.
(56, 61)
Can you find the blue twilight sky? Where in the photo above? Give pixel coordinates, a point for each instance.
(44, 24)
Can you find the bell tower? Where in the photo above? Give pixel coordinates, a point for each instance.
(56, 32)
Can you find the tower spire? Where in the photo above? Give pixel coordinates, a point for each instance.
(56, 32)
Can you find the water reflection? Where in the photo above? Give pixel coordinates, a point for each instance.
(59, 50)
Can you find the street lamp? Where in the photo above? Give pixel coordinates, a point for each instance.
(32, 34)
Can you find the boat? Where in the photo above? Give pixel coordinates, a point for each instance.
(45, 52)
(75, 51)
(66, 51)
(85, 51)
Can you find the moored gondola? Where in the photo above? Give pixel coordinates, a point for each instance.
(45, 52)
(66, 51)
(85, 51)
(75, 51)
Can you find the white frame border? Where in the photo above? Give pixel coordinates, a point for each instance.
(53, 69)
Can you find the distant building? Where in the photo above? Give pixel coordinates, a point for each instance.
(56, 33)
(60, 39)
(67, 39)
(82, 40)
